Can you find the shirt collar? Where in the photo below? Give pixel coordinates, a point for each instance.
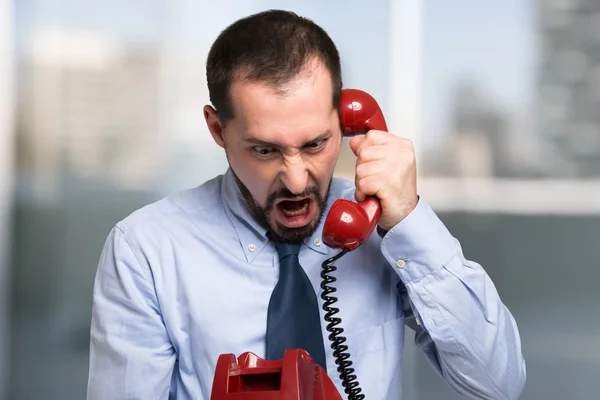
(251, 235)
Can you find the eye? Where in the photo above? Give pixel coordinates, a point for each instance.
(262, 151)
(316, 145)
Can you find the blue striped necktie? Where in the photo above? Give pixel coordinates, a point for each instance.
(293, 319)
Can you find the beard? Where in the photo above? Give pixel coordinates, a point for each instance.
(277, 231)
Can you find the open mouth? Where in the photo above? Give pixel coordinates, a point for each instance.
(295, 213)
(291, 208)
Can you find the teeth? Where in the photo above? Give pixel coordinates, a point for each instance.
(294, 213)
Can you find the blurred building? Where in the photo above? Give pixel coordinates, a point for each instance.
(478, 143)
(569, 87)
(89, 108)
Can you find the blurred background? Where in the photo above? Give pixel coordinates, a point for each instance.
(101, 113)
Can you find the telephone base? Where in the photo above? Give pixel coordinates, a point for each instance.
(249, 377)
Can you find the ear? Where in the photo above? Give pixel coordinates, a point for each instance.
(214, 125)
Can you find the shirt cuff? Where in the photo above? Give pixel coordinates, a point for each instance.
(418, 245)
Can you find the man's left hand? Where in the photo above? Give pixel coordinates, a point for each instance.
(386, 168)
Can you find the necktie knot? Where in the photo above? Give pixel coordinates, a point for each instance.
(287, 249)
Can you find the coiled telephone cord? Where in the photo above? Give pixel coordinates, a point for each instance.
(349, 379)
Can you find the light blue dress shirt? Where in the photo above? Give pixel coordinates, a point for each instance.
(189, 277)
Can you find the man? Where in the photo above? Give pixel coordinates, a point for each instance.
(201, 272)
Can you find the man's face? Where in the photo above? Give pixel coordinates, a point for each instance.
(283, 149)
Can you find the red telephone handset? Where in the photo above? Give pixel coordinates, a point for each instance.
(349, 224)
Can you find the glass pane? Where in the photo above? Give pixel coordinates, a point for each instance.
(89, 151)
(511, 164)
(109, 119)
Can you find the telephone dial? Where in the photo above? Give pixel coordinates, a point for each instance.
(347, 225)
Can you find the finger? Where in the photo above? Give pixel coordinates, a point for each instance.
(375, 152)
(385, 138)
(366, 169)
(359, 195)
(355, 143)
(375, 137)
(369, 186)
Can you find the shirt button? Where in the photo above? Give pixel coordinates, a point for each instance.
(317, 242)
(400, 263)
(252, 247)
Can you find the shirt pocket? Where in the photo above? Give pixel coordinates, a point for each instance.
(387, 335)
(376, 356)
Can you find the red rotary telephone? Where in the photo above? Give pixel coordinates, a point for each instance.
(347, 226)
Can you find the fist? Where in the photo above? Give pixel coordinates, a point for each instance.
(386, 169)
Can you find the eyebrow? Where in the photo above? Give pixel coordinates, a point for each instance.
(263, 143)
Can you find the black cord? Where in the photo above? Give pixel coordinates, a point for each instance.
(349, 380)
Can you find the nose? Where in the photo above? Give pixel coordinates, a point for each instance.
(295, 175)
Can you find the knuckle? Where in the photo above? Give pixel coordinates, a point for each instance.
(359, 170)
(408, 144)
(360, 184)
(373, 136)
(410, 157)
(362, 153)
(365, 185)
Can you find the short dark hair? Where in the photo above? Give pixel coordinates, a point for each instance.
(271, 46)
